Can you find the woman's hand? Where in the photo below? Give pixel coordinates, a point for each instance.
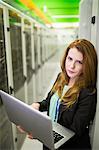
(30, 136)
(35, 106)
(21, 129)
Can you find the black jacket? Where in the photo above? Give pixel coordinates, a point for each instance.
(76, 118)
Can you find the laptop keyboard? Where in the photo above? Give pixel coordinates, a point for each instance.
(57, 137)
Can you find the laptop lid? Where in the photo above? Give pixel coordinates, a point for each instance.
(34, 121)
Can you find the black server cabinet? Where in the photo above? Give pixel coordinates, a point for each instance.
(17, 62)
(16, 49)
(35, 48)
(30, 71)
(6, 138)
(28, 50)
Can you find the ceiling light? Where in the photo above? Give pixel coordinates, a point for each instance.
(65, 25)
(45, 8)
(65, 16)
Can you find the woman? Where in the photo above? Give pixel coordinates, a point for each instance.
(72, 99)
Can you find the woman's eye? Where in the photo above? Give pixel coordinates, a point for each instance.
(69, 58)
(79, 62)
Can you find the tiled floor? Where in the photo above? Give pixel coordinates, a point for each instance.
(51, 69)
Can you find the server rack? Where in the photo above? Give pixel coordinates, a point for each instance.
(28, 46)
(6, 139)
(17, 63)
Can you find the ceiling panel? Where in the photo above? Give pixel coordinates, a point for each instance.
(59, 7)
(49, 11)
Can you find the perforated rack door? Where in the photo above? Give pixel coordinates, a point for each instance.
(6, 140)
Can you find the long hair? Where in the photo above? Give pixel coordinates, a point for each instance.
(88, 77)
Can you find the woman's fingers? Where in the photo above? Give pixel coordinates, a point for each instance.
(21, 129)
(30, 136)
(35, 106)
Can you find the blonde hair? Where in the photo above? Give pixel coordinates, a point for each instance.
(86, 80)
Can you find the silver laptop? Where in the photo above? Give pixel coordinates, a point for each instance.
(33, 121)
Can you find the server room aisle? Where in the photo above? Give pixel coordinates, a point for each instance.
(50, 69)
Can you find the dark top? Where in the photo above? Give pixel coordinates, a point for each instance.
(76, 118)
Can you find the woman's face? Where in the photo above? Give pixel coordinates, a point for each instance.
(74, 63)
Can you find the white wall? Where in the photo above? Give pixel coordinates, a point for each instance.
(85, 19)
